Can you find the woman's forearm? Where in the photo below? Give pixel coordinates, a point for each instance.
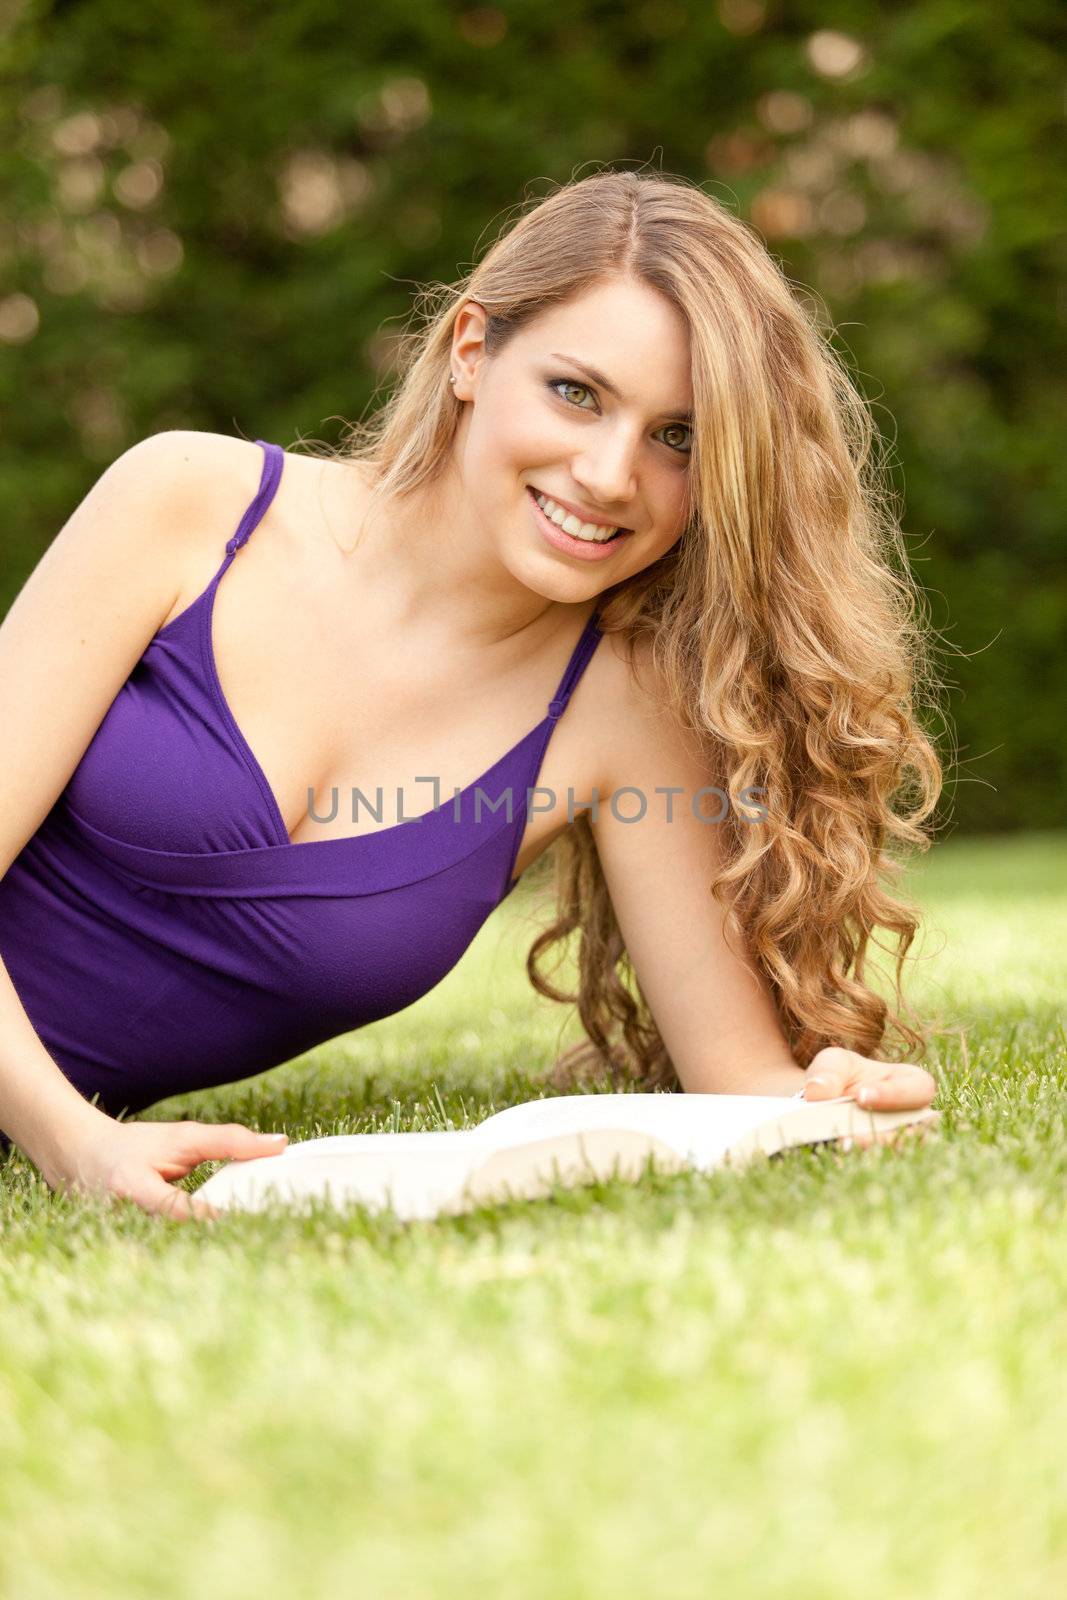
(39, 1107)
(781, 1079)
(778, 1076)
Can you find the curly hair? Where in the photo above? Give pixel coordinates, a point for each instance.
(786, 629)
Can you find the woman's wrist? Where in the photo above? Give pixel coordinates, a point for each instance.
(59, 1129)
(785, 1081)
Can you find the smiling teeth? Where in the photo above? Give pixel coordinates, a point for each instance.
(591, 532)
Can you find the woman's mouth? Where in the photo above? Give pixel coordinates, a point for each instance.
(564, 531)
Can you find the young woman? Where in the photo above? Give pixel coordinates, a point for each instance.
(612, 568)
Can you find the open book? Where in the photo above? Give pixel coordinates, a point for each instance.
(522, 1152)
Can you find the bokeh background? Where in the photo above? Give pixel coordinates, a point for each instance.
(218, 216)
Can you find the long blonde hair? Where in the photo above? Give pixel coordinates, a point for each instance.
(788, 633)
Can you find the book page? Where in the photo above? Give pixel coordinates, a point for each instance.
(699, 1127)
(403, 1144)
(522, 1150)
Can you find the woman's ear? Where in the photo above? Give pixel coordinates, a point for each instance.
(468, 348)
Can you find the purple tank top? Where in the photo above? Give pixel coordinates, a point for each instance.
(164, 934)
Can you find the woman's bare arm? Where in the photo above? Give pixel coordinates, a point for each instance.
(713, 1010)
(71, 638)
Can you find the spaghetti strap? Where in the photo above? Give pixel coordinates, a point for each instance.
(273, 460)
(270, 477)
(583, 650)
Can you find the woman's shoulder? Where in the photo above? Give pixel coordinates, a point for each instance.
(195, 459)
(222, 473)
(206, 481)
(199, 485)
(631, 719)
(625, 675)
(200, 479)
(621, 703)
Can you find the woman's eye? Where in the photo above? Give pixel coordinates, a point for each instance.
(680, 427)
(558, 384)
(569, 383)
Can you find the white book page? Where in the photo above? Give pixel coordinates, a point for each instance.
(699, 1127)
(404, 1144)
(418, 1174)
(417, 1183)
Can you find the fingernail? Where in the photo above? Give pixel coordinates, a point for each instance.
(274, 1136)
(865, 1096)
(818, 1079)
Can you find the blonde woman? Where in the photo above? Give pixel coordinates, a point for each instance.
(611, 569)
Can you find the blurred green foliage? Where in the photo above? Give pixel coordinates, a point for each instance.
(215, 216)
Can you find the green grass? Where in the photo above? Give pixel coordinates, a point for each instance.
(828, 1375)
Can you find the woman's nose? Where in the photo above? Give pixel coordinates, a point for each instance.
(610, 476)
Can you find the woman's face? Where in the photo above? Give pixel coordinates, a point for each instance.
(538, 420)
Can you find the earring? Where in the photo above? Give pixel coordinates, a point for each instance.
(452, 379)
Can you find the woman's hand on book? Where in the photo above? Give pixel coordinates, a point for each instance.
(874, 1085)
(135, 1161)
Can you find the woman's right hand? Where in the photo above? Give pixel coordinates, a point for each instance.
(135, 1161)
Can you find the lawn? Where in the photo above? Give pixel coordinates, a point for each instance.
(829, 1375)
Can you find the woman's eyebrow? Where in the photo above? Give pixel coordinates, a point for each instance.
(606, 383)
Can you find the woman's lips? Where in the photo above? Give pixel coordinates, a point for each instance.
(582, 549)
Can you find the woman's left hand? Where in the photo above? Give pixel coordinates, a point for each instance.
(874, 1085)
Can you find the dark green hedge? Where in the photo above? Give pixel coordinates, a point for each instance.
(213, 215)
